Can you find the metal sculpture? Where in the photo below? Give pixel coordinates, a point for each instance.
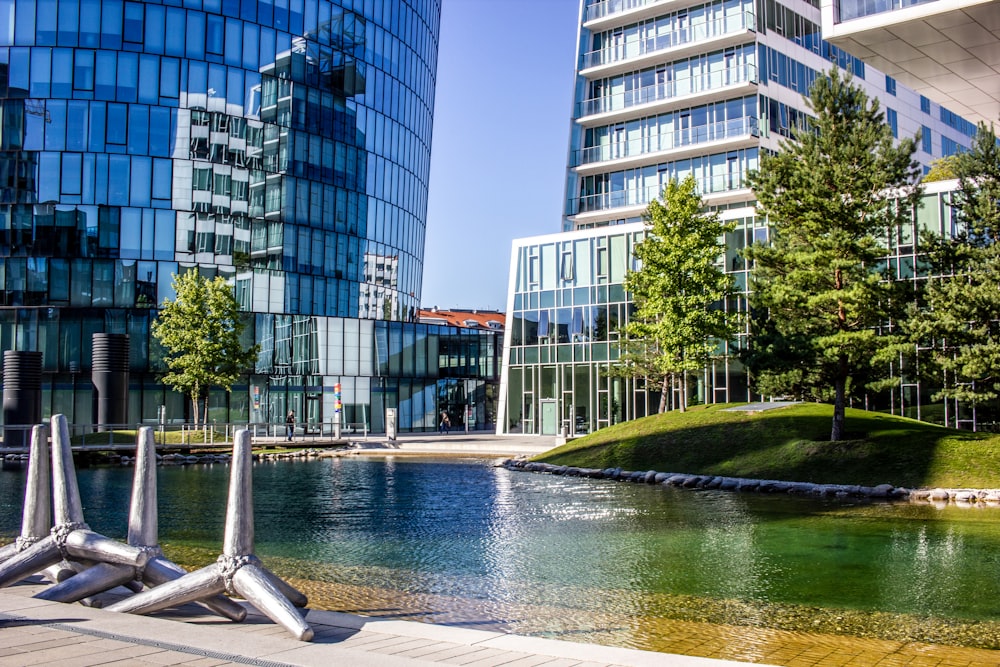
(238, 571)
(143, 534)
(71, 537)
(36, 517)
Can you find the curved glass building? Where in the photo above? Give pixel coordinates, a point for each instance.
(282, 144)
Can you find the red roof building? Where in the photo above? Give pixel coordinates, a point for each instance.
(466, 319)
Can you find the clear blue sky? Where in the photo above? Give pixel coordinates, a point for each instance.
(501, 133)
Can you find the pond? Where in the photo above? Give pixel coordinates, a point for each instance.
(466, 542)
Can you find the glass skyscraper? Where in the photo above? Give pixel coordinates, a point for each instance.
(666, 90)
(282, 144)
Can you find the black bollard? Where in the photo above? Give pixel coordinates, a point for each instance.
(22, 396)
(110, 378)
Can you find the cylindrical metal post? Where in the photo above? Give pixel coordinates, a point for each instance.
(110, 377)
(22, 395)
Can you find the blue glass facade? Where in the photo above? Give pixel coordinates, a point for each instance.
(284, 145)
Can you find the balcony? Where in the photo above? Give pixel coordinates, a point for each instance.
(634, 50)
(733, 183)
(624, 153)
(609, 9)
(848, 10)
(608, 107)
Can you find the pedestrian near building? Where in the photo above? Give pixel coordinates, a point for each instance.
(445, 424)
(290, 424)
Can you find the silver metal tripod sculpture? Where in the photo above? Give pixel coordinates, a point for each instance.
(143, 534)
(238, 571)
(70, 538)
(36, 517)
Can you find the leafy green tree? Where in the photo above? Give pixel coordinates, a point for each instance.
(820, 295)
(679, 291)
(957, 320)
(942, 169)
(201, 332)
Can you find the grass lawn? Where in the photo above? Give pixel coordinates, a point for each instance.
(171, 437)
(792, 443)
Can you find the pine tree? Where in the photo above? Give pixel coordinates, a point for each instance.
(820, 295)
(679, 292)
(957, 320)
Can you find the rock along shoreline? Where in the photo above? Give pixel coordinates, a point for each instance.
(936, 496)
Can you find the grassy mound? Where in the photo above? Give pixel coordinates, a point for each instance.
(792, 443)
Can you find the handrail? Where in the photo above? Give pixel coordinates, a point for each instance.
(727, 129)
(599, 10)
(214, 434)
(657, 92)
(695, 32)
(644, 195)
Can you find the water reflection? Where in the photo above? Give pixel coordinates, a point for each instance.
(590, 560)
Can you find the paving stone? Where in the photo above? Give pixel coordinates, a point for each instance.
(529, 661)
(481, 658)
(41, 632)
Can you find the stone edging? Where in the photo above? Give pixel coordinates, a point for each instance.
(960, 497)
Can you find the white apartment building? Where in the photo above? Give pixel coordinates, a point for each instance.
(666, 89)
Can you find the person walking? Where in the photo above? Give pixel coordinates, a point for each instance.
(445, 423)
(290, 424)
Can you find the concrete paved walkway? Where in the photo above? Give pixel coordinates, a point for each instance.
(37, 632)
(475, 443)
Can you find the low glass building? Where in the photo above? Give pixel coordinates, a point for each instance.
(284, 145)
(566, 305)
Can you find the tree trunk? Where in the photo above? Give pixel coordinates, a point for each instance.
(194, 409)
(195, 395)
(664, 389)
(837, 431)
(684, 391)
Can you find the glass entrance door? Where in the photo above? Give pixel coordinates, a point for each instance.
(550, 416)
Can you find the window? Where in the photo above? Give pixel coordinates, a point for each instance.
(949, 146)
(566, 270)
(925, 104)
(892, 119)
(953, 120)
(83, 70)
(133, 22)
(890, 85)
(925, 139)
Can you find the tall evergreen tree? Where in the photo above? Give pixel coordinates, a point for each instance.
(679, 292)
(201, 331)
(957, 320)
(819, 299)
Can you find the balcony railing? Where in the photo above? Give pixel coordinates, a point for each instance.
(599, 10)
(177, 434)
(729, 129)
(689, 34)
(642, 196)
(855, 9)
(666, 90)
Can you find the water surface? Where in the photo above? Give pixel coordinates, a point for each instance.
(465, 542)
